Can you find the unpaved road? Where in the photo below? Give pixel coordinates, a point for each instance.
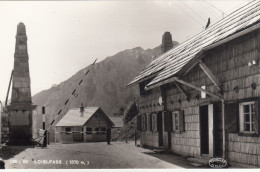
(99, 155)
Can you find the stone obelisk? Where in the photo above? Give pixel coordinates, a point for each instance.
(21, 107)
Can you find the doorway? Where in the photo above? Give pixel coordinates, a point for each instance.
(204, 129)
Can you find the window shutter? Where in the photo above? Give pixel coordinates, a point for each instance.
(170, 121)
(181, 121)
(173, 122)
(257, 119)
(167, 121)
(151, 122)
(145, 122)
(155, 122)
(238, 118)
(139, 123)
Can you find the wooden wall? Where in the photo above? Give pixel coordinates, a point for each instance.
(243, 149)
(64, 137)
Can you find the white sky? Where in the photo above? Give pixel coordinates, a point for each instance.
(66, 36)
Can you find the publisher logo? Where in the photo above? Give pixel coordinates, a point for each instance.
(217, 163)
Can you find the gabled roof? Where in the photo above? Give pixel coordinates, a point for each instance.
(74, 118)
(170, 63)
(118, 121)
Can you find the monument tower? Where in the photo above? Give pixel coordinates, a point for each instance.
(21, 107)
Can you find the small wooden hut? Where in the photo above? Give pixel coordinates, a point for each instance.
(84, 124)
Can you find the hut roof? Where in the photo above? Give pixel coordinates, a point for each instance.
(74, 117)
(118, 121)
(176, 60)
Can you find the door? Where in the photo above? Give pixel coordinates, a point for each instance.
(160, 128)
(218, 140)
(204, 129)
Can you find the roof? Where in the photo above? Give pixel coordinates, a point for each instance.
(170, 63)
(74, 118)
(118, 121)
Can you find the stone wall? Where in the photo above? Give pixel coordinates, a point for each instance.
(4, 127)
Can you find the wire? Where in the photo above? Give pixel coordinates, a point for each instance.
(212, 12)
(222, 12)
(193, 11)
(189, 15)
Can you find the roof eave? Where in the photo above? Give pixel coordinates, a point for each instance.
(143, 79)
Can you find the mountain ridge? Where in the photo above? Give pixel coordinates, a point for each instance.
(103, 86)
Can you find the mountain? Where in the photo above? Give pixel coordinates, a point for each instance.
(103, 86)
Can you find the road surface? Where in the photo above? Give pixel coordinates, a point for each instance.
(99, 155)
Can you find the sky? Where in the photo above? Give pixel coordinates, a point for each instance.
(66, 36)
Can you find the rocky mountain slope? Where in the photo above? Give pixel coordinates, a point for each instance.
(103, 86)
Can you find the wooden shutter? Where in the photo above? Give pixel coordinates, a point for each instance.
(145, 122)
(155, 122)
(148, 122)
(170, 121)
(181, 121)
(139, 123)
(167, 121)
(151, 122)
(257, 118)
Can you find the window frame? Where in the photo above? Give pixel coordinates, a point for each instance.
(174, 121)
(242, 119)
(154, 122)
(203, 95)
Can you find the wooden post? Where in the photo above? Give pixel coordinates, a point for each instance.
(197, 88)
(11, 77)
(209, 74)
(135, 138)
(224, 128)
(126, 135)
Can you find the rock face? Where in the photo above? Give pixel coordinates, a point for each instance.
(20, 108)
(103, 86)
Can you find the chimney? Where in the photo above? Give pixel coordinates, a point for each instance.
(82, 109)
(166, 42)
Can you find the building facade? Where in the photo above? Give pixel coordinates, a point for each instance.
(83, 125)
(202, 97)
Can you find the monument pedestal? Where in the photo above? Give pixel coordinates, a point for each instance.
(20, 118)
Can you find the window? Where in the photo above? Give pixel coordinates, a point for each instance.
(154, 122)
(203, 94)
(67, 130)
(89, 130)
(148, 122)
(103, 130)
(43, 110)
(178, 123)
(247, 117)
(175, 118)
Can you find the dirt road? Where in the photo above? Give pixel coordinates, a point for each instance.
(99, 155)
